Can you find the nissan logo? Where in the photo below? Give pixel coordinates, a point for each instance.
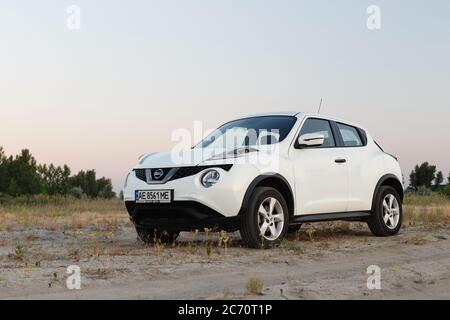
(158, 174)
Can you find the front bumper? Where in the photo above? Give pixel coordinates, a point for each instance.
(224, 198)
(179, 216)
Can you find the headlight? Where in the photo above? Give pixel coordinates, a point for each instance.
(210, 178)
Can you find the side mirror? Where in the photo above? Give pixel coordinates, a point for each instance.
(309, 140)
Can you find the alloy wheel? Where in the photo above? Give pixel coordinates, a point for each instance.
(270, 218)
(391, 211)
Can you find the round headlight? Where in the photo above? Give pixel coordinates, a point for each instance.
(210, 178)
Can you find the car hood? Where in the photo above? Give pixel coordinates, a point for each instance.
(182, 158)
(194, 157)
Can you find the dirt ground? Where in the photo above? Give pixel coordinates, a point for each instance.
(322, 261)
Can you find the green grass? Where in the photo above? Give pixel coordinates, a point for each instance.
(426, 200)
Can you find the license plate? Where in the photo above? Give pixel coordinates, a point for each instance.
(153, 196)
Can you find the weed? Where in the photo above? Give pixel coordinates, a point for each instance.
(18, 254)
(224, 238)
(310, 230)
(53, 279)
(255, 286)
(226, 293)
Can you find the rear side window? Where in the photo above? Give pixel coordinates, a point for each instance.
(350, 135)
(319, 126)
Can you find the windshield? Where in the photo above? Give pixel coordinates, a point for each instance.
(254, 131)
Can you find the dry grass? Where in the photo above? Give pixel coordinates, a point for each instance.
(416, 240)
(254, 286)
(109, 214)
(432, 210)
(64, 213)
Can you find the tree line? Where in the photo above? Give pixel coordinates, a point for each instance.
(21, 175)
(424, 176)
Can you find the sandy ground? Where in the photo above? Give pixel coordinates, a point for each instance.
(323, 261)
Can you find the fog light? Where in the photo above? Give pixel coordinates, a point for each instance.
(210, 178)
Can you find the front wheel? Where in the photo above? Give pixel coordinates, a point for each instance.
(387, 214)
(266, 220)
(151, 235)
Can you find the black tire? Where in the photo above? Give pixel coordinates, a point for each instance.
(249, 229)
(151, 235)
(376, 222)
(294, 228)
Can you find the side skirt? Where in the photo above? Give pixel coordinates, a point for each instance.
(356, 216)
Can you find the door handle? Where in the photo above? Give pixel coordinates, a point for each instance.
(340, 160)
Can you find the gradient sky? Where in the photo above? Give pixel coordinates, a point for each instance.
(101, 96)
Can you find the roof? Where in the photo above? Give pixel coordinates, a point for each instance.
(300, 114)
(281, 113)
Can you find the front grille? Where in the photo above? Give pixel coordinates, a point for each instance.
(181, 172)
(140, 174)
(186, 172)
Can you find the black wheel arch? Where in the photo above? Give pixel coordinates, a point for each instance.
(274, 180)
(388, 180)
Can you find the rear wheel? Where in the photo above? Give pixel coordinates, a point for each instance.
(266, 220)
(152, 235)
(387, 214)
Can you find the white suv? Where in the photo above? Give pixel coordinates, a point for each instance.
(265, 175)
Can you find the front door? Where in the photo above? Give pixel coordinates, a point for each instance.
(321, 173)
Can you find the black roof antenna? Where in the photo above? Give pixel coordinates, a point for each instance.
(320, 105)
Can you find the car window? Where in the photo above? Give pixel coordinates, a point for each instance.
(319, 126)
(349, 135)
(260, 130)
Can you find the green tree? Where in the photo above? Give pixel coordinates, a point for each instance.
(55, 180)
(438, 179)
(422, 175)
(104, 188)
(91, 186)
(4, 179)
(23, 176)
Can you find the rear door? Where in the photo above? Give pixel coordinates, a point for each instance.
(321, 173)
(360, 164)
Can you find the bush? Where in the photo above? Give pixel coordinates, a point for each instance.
(5, 198)
(77, 192)
(446, 191)
(423, 191)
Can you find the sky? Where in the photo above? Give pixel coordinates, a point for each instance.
(99, 96)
